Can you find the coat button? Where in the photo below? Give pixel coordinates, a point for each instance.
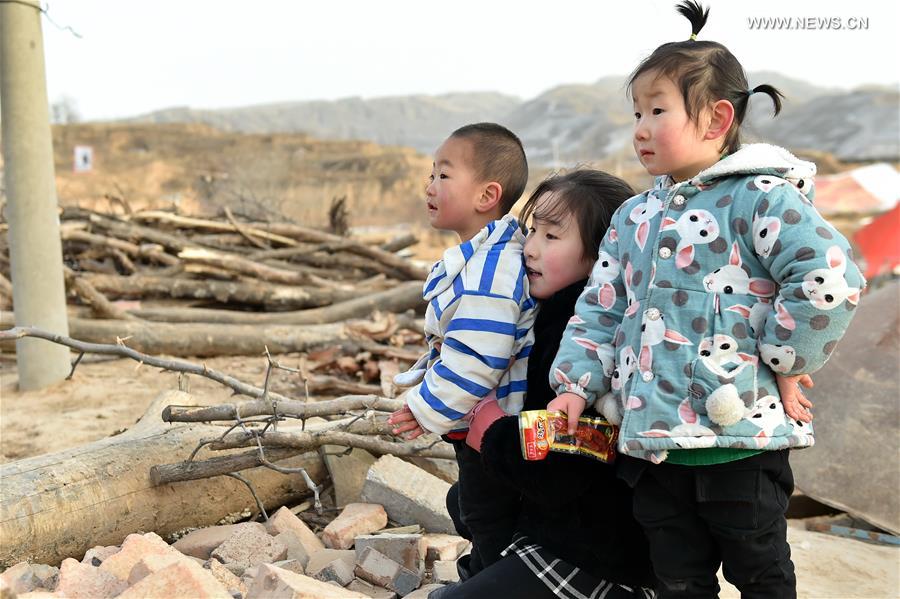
(678, 200)
(653, 314)
(647, 376)
(665, 252)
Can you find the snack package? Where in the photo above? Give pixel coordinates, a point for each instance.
(541, 431)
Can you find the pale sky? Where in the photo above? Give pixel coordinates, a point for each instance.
(136, 57)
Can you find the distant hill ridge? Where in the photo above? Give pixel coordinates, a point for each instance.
(572, 123)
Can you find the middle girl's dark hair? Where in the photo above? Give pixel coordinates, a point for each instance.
(590, 196)
(705, 72)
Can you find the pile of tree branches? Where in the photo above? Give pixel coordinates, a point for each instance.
(222, 286)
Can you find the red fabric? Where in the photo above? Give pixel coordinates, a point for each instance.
(879, 242)
(482, 416)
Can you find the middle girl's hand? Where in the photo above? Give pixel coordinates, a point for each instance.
(570, 403)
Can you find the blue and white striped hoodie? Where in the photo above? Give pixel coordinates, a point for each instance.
(479, 318)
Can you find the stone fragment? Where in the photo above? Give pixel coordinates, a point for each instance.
(373, 566)
(323, 557)
(134, 549)
(249, 546)
(355, 519)
(96, 555)
(444, 572)
(291, 565)
(295, 549)
(284, 520)
(409, 494)
(423, 592)
(406, 550)
(347, 471)
(272, 582)
(440, 546)
(183, 578)
(84, 581)
(338, 571)
(20, 578)
(200, 543)
(225, 577)
(47, 576)
(370, 590)
(444, 469)
(153, 563)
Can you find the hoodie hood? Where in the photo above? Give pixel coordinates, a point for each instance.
(455, 258)
(763, 159)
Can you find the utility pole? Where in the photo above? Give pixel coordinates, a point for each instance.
(35, 249)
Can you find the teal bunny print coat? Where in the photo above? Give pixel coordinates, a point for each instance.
(702, 291)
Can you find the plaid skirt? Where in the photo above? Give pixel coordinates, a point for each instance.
(567, 581)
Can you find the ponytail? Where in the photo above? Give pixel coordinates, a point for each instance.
(693, 12)
(770, 91)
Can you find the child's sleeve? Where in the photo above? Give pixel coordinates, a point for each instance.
(819, 284)
(477, 350)
(586, 356)
(541, 481)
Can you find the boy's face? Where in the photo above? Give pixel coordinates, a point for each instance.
(554, 253)
(454, 190)
(666, 141)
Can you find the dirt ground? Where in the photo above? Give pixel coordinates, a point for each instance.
(107, 397)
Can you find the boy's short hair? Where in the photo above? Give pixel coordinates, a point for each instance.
(498, 156)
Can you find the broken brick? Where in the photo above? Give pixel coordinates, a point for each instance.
(248, 546)
(373, 566)
(355, 519)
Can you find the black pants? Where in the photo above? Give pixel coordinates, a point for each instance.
(511, 577)
(697, 517)
(483, 509)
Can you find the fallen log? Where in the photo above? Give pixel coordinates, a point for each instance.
(301, 233)
(203, 340)
(296, 276)
(149, 251)
(211, 225)
(101, 306)
(257, 293)
(59, 505)
(399, 299)
(360, 433)
(290, 408)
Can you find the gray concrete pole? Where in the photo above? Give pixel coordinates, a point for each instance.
(35, 248)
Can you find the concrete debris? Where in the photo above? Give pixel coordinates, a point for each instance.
(347, 471)
(284, 520)
(84, 581)
(201, 542)
(409, 494)
(444, 547)
(355, 519)
(444, 572)
(272, 582)
(373, 566)
(249, 546)
(406, 550)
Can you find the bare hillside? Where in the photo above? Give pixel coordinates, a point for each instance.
(199, 169)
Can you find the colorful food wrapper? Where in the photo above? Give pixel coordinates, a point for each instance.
(541, 431)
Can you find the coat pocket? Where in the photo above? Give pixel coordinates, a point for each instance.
(722, 392)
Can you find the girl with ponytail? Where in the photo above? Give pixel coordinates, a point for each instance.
(726, 289)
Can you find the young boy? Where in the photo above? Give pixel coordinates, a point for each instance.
(478, 320)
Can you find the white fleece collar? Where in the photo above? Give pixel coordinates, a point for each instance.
(763, 159)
